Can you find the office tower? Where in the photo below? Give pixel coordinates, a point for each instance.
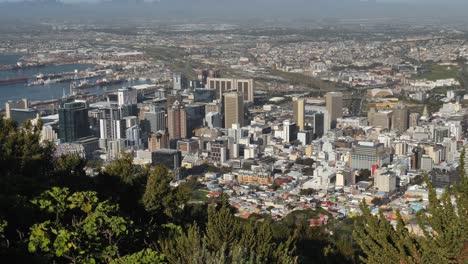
(195, 115)
(73, 121)
(426, 163)
(289, 131)
(213, 120)
(242, 86)
(171, 98)
(305, 137)
(130, 121)
(22, 115)
(10, 105)
(400, 118)
(218, 152)
(111, 125)
(160, 93)
(233, 109)
(127, 96)
(203, 75)
(413, 119)
(299, 112)
(158, 140)
(177, 121)
(186, 146)
(440, 133)
(367, 154)
(345, 177)
(316, 121)
(168, 157)
(385, 180)
(204, 95)
(334, 103)
(133, 137)
(214, 106)
(155, 120)
(179, 81)
(381, 119)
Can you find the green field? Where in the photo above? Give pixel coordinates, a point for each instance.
(439, 72)
(200, 196)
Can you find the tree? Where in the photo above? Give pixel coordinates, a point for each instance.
(145, 256)
(160, 198)
(227, 239)
(377, 201)
(444, 227)
(79, 227)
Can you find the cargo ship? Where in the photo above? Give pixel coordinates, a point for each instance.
(14, 81)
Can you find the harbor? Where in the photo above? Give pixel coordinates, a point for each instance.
(52, 82)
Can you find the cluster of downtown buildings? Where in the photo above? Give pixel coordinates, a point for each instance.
(268, 148)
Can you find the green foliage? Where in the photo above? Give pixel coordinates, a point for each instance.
(377, 201)
(145, 256)
(444, 227)
(80, 229)
(160, 199)
(227, 239)
(123, 168)
(308, 192)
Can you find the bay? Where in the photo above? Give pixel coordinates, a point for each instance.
(47, 92)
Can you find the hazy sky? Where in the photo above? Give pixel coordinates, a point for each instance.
(248, 9)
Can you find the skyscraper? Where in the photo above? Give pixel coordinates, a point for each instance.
(381, 119)
(73, 121)
(233, 109)
(179, 81)
(127, 96)
(223, 85)
(334, 102)
(400, 118)
(299, 112)
(413, 119)
(177, 121)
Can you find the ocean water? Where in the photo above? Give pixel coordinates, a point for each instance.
(47, 92)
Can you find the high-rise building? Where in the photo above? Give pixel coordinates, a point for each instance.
(195, 116)
(22, 115)
(73, 121)
(111, 125)
(316, 121)
(242, 86)
(400, 118)
(127, 96)
(154, 120)
(385, 180)
(158, 140)
(186, 146)
(214, 106)
(10, 105)
(177, 121)
(381, 119)
(299, 112)
(233, 109)
(179, 81)
(413, 119)
(440, 133)
(367, 154)
(204, 95)
(171, 98)
(289, 131)
(213, 120)
(168, 157)
(219, 152)
(334, 103)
